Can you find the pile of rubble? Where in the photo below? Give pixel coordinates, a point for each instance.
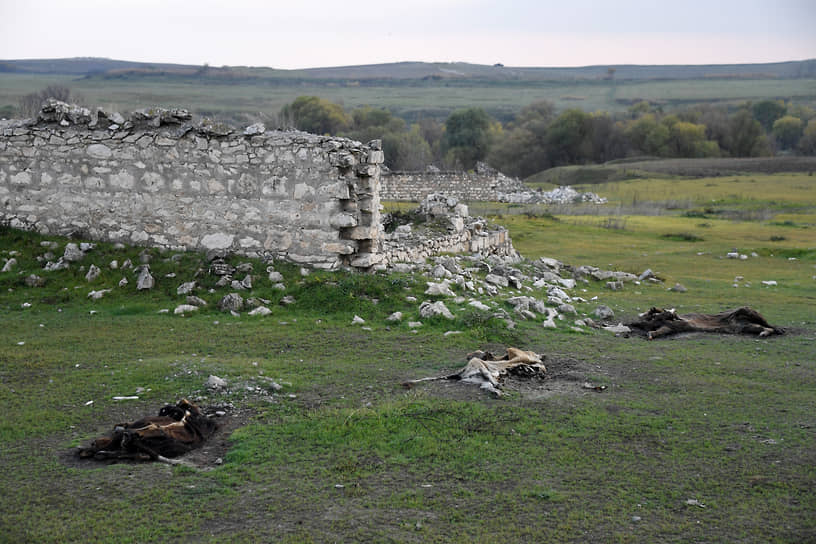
(441, 224)
(559, 195)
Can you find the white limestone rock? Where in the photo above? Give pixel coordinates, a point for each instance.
(432, 309)
(93, 273)
(145, 280)
(261, 310)
(439, 289)
(72, 253)
(186, 288)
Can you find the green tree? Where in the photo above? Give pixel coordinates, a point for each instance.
(522, 149)
(768, 111)
(648, 136)
(432, 131)
(746, 136)
(787, 131)
(569, 138)
(316, 115)
(373, 123)
(406, 150)
(689, 140)
(608, 139)
(718, 128)
(520, 153)
(807, 144)
(467, 137)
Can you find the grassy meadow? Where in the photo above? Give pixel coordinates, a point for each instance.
(411, 100)
(697, 438)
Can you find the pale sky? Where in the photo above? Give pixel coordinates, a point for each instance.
(321, 33)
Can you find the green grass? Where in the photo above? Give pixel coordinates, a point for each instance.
(410, 99)
(353, 456)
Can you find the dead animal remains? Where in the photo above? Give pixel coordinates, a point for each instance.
(657, 322)
(484, 369)
(174, 432)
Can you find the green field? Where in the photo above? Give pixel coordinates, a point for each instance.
(345, 454)
(411, 99)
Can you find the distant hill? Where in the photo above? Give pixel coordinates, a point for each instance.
(109, 68)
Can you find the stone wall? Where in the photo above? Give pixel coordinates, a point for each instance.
(443, 225)
(483, 185)
(159, 179)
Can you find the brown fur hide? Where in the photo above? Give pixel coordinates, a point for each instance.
(657, 322)
(174, 432)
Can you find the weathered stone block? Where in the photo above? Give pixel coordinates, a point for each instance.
(366, 260)
(218, 240)
(99, 151)
(343, 220)
(360, 233)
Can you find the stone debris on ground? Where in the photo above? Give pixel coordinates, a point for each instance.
(183, 309)
(145, 281)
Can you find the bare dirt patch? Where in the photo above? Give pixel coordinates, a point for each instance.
(564, 376)
(207, 457)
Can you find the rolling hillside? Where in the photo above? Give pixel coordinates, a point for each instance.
(100, 67)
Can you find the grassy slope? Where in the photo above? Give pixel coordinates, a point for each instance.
(726, 421)
(411, 99)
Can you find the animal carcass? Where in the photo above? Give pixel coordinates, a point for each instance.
(487, 371)
(657, 322)
(174, 432)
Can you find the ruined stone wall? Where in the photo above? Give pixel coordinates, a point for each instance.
(158, 179)
(483, 185)
(469, 240)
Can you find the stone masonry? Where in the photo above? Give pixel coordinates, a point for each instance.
(159, 179)
(485, 184)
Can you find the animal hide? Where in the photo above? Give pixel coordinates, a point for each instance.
(657, 322)
(484, 369)
(174, 432)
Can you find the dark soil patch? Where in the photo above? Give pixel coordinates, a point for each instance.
(207, 457)
(564, 376)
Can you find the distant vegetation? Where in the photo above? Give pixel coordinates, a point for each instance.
(520, 120)
(538, 138)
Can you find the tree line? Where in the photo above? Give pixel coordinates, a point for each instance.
(539, 137)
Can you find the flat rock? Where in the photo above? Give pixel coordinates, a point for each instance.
(439, 289)
(603, 312)
(72, 253)
(620, 328)
(215, 383)
(261, 310)
(196, 301)
(182, 309)
(186, 288)
(431, 309)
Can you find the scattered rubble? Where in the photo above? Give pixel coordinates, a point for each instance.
(559, 195)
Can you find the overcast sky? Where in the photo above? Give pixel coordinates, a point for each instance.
(317, 33)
